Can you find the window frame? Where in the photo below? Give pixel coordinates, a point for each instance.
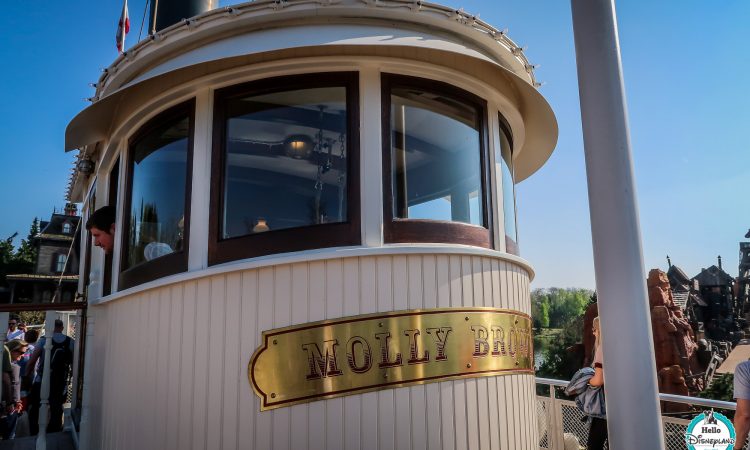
(511, 246)
(60, 259)
(286, 240)
(175, 262)
(398, 230)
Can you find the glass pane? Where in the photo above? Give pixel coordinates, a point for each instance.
(157, 208)
(285, 161)
(435, 156)
(509, 203)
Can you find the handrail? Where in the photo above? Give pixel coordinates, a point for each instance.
(710, 403)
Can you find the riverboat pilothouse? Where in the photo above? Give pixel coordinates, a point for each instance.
(315, 243)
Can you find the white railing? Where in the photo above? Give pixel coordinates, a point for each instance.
(563, 427)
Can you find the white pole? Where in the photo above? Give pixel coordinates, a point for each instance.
(633, 413)
(85, 436)
(41, 439)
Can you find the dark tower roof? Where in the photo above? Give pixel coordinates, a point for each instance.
(713, 276)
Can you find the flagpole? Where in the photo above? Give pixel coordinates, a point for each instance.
(633, 413)
(153, 14)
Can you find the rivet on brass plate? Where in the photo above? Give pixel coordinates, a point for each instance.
(357, 354)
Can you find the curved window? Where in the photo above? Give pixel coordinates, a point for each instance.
(66, 228)
(286, 164)
(436, 178)
(156, 213)
(504, 161)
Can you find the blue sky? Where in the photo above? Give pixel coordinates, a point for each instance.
(685, 64)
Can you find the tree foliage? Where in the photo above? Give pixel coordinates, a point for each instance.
(556, 307)
(18, 261)
(560, 359)
(722, 388)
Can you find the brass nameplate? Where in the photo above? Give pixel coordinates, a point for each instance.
(387, 350)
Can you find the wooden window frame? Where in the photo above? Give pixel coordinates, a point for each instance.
(397, 230)
(286, 240)
(511, 246)
(174, 262)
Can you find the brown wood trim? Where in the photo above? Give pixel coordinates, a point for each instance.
(291, 239)
(114, 183)
(18, 307)
(511, 246)
(175, 262)
(397, 230)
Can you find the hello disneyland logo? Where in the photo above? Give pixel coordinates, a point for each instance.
(710, 430)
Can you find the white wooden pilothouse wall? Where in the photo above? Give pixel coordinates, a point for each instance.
(172, 365)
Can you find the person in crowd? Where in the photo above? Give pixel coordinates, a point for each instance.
(598, 429)
(31, 337)
(101, 225)
(742, 395)
(12, 406)
(61, 360)
(13, 331)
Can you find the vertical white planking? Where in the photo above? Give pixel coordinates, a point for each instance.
(216, 324)
(201, 368)
(471, 292)
(109, 376)
(334, 276)
(498, 284)
(174, 344)
(417, 403)
(150, 359)
(482, 297)
(282, 316)
(233, 360)
(368, 274)
(491, 299)
(459, 386)
(353, 403)
(264, 425)
(447, 412)
(317, 300)
(386, 399)
(162, 379)
(432, 390)
(185, 376)
(248, 409)
(300, 314)
(400, 293)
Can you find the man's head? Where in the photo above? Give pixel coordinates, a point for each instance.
(59, 325)
(101, 225)
(12, 323)
(17, 348)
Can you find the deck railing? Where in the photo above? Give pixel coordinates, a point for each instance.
(563, 427)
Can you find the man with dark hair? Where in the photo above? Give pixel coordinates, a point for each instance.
(101, 225)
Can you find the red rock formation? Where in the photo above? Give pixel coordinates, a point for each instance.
(675, 346)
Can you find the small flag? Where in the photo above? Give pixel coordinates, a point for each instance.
(123, 28)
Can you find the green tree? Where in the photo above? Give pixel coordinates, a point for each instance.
(722, 388)
(7, 255)
(25, 257)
